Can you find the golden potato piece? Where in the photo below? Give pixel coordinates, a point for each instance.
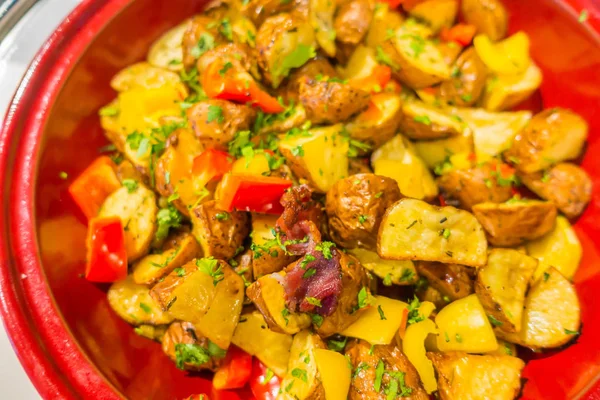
(384, 18)
(468, 78)
(503, 92)
(435, 152)
(355, 207)
(468, 376)
(421, 121)
(267, 255)
(393, 272)
(513, 223)
(320, 16)
(181, 341)
(167, 51)
(451, 280)
(137, 210)
(144, 76)
(198, 31)
(501, 286)
(302, 381)
(489, 16)
(436, 13)
(328, 102)
(566, 185)
(162, 291)
(552, 136)
(414, 230)
(352, 21)
(132, 302)
(552, 315)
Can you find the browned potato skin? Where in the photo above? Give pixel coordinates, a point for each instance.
(161, 292)
(185, 332)
(236, 117)
(259, 10)
(473, 186)
(359, 166)
(331, 102)
(489, 16)
(219, 239)
(363, 195)
(566, 185)
(197, 26)
(317, 66)
(126, 170)
(238, 54)
(465, 89)
(354, 278)
(432, 295)
(243, 265)
(362, 386)
(267, 264)
(254, 293)
(452, 280)
(352, 21)
(420, 131)
(512, 226)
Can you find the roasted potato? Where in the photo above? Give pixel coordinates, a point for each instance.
(178, 250)
(270, 347)
(451, 280)
(501, 286)
(468, 376)
(330, 102)
(318, 67)
(202, 34)
(468, 79)
(367, 360)
(393, 272)
(217, 131)
(435, 152)
(566, 185)
(552, 136)
(132, 302)
(167, 51)
(162, 291)
(320, 157)
(421, 121)
(384, 18)
(424, 292)
(503, 92)
(220, 237)
(473, 186)
(268, 295)
(489, 16)
(552, 316)
(359, 166)
(414, 230)
(397, 159)
(259, 10)
(513, 223)
(507, 57)
(189, 350)
(320, 16)
(355, 206)
(144, 76)
(240, 56)
(151, 332)
(437, 14)
(352, 21)
(267, 255)
(137, 210)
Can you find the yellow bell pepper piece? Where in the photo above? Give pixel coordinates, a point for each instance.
(464, 326)
(508, 57)
(139, 105)
(257, 164)
(372, 327)
(335, 373)
(426, 308)
(413, 347)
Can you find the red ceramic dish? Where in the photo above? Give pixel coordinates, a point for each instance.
(66, 336)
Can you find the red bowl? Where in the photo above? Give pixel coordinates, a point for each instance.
(69, 341)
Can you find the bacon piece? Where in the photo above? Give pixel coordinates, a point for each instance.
(298, 206)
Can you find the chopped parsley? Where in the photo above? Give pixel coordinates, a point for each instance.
(313, 301)
(507, 349)
(215, 113)
(268, 376)
(407, 275)
(130, 184)
(379, 370)
(205, 43)
(297, 58)
(317, 320)
(583, 16)
(285, 314)
(387, 280)
(570, 332)
(167, 218)
(446, 233)
(545, 177)
(300, 374)
(414, 315)
(360, 367)
(458, 338)
(310, 272)
(411, 224)
(225, 29)
(211, 267)
(298, 151)
(362, 219)
(381, 314)
(494, 321)
(363, 298)
(423, 119)
(325, 249)
(179, 271)
(109, 111)
(383, 58)
(378, 195)
(337, 345)
(546, 276)
(146, 308)
(215, 350)
(190, 353)
(222, 216)
(226, 67)
(307, 259)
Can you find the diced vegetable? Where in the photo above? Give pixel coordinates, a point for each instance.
(264, 384)
(374, 328)
(397, 272)
(384, 18)
(142, 75)
(489, 16)
(303, 381)
(413, 346)
(211, 165)
(132, 302)
(435, 152)
(334, 372)
(508, 57)
(255, 164)
(252, 193)
(424, 122)
(267, 255)
(140, 109)
(437, 14)
(167, 51)
(106, 251)
(506, 91)
(461, 33)
(235, 370)
(320, 16)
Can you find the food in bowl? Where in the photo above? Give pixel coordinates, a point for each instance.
(275, 169)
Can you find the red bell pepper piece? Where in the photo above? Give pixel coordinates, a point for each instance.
(461, 33)
(211, 165)
(263, 382)
(252, 193)
(106, 257)
(403, 323)
(94, 185)
(229, 81)
(235, 371)
(442, 201)
(376, 82)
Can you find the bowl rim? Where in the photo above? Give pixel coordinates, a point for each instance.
(51, 357)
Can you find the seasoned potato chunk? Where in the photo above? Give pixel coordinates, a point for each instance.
(435, 152)
(467, 376)
(552, 315)
(181, 343)
(489, 16)
(384, 18)
(220, 237)
(137, 210)
(355, 207)
(451, 280)
(513, 223)
(318, 67)
(421, 121)
(393, 272)
(144, 76)
(398, 372)
(167, 51)
(197, 32)
(551, 137)
(328, 102)
(436, 13)
(267, 255)
(565, 184)
(320, 16)
(303, 381)
(133, 303)
(414, 230)
(352, 21)
(506, 91)
(468, 80)
(501, 286)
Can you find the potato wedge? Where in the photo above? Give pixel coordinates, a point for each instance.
(464, 326)
(393, 272)
(267, 255)
(143, 75)
(384, 18)
(435, 152)
(162, 291)
(219, 237)
(200, 29)
(437, 14)
(320, 158)
(397, 159)
(320, 16)
(151, 332)
(182, 343)
(489, 16)
(178, 251)
(167, 51)
(352, 21)
(501, 286)
(414, 230)
(137, 211)
(506, 91)
(552, 136)
(451, 280)
(330, 102)
(355, 207)
(467, 376)
(421, 121)
(318, 67)
(303, 381)
(504, 349)
(559, 248)
(566, 185)
(552, 315)
(271, 348)
(468, 78)
(513, 223)
(132, 302)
